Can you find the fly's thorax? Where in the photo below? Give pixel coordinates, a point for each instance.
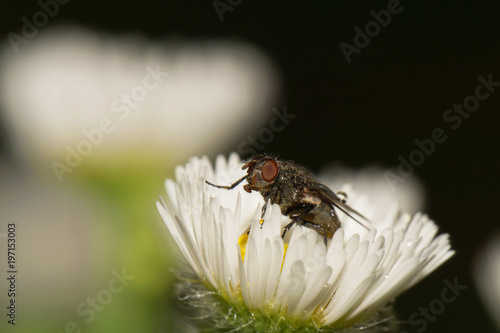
(295, 175)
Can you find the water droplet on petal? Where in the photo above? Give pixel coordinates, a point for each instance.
(342, 196)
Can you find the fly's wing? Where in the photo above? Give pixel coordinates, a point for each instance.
(327, 195)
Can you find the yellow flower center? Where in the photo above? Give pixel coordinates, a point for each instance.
(243, 240)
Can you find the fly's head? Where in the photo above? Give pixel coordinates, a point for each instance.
(262, 173)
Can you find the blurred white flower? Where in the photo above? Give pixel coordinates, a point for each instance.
(487, 276)
(297, 278)
(409, 194)
(70, 82)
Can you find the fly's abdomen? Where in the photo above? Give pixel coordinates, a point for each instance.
(323, 216)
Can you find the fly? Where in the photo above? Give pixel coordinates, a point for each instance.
(300, 196)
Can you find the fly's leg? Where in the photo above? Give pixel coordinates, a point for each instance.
(263, 211)
(287, 227)
(306, 224)
(315, 227)
(230, 187)
(322, 219)
(296, 219)
(271, 198)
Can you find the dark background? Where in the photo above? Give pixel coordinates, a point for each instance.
(369, 111)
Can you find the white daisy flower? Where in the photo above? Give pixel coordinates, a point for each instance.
(295, 281)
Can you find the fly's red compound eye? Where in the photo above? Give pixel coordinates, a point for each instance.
(269, 170)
